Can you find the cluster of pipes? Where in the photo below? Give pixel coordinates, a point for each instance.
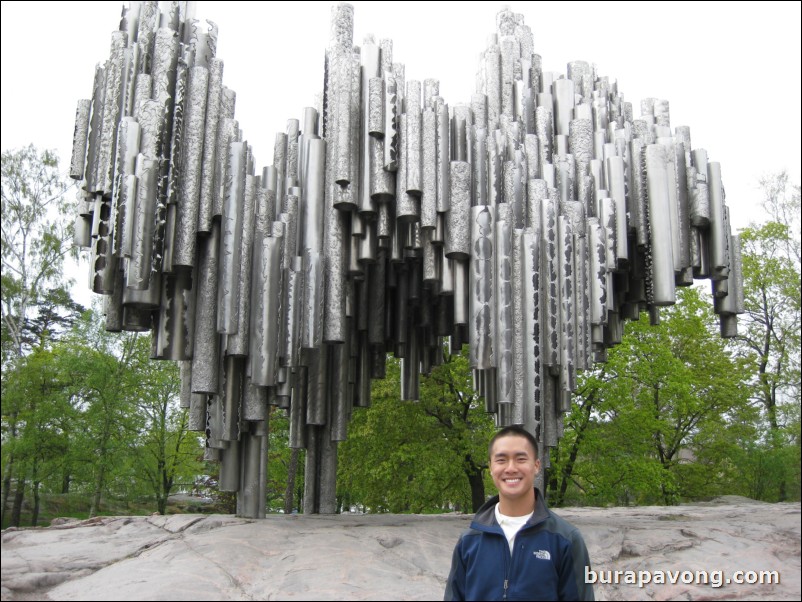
(529, 224)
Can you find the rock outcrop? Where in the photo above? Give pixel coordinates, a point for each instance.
(392, 557)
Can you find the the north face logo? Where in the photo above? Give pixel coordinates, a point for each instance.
(542, 555)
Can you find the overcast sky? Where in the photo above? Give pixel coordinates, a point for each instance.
(730, 70)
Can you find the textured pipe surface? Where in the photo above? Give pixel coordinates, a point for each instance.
(481, 326)
(230, 240)
(192, 144)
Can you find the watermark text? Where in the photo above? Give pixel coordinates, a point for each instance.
(659, 577)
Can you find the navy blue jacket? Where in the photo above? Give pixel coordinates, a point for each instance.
(548, 563)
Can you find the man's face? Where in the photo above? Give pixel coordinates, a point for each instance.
(513, 467)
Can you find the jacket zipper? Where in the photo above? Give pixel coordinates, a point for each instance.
(509, 561)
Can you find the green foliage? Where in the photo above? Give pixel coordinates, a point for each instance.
(34, 307)
(669, 398)
(94, 416)
(404, 456)
(285, 466)
(769, 335)
(35, 235)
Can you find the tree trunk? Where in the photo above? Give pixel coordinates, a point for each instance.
(16, 510)
(7, 487)
(292, 469)
(35, 516)
(164, 491)
(568, 469)
(95, 507)
(477, 482)
(65, 483)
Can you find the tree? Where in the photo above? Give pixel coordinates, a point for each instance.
(34, 395)
(35, 233)
(448, 396)
(770, 330)
(107, 418)
(668, 396)
(285, 466)
(166, 454)
(425, 456)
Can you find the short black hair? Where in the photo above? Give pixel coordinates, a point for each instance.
(513, 431)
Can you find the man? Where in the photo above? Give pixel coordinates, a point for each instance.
(516, 549)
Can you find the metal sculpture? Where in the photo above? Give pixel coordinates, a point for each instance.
(530, 224)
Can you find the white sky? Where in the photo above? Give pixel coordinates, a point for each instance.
(730, 70)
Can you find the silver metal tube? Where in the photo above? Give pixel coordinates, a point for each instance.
(266, 309)
(335, 239)
(238, 341)
(443, 160)
(313, 198)
(248, 493)
(176, 324)
(143, 226)
(510, 51)
(718, 234)
(638, 194)
(412, 138)
(111, 114)
(228, 132)
(291, 316)
(458, 231)
(391, 113)
(407, 205)
(518, 312)
(205, 356)
(231, 240)
(460, 271)
(124, 194)
(184, 253)
(376, 307)
(504, 304)
(661, 282)
(234, 374)
(493, 85)
(213, 102)
(544, 128)
(297, 435)
(481, 326)
(369, 57)
(375, 106)
(230, 467)
(410, 365)
(341, 402)
(563, 105)
(382, 181)
(700, 199)
(312, 301)
(254, 401)
(317, 400)
(79, 139)
(428, 203)
(340, 65)
(95, 127)
(616, 187)
(567, 276)
(532, 330)
(549, 282)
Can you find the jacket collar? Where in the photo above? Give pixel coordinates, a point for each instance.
(486, 516)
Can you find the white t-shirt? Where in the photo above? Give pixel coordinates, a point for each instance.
(511, 525)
